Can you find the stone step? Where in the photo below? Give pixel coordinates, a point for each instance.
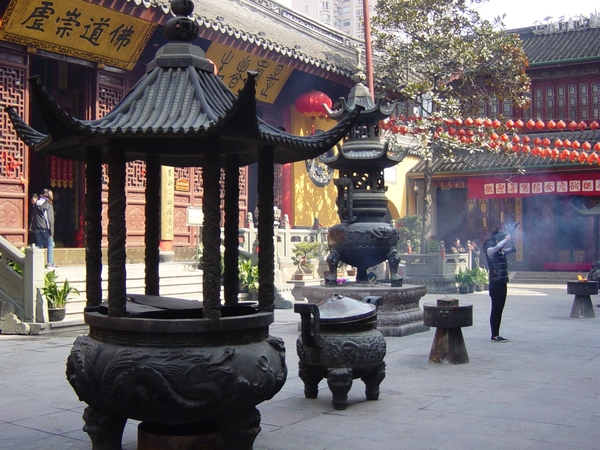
(544, 277)
(176, 280)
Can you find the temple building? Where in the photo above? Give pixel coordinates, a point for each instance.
(89, 54)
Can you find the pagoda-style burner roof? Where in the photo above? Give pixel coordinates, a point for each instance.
(175, 111)
(361, 96)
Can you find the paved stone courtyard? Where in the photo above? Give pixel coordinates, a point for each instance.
(538, 391)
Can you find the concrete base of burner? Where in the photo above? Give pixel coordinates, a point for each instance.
(400, 314)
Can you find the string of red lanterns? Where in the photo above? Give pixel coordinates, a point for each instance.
(504, 136)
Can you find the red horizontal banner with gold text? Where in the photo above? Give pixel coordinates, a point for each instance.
(585, 183)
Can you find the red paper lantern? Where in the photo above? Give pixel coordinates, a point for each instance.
(594, 125)
(469, 122)
(597, 146)
(488, 122)
(546, 142)
(592, 158)
(526, 139)
(582, 125)
(516, 139)
(564, 154)
(554, 153)
(536, 151)
(539, 125)
(478, 122)
(551, 124)
(561, 125)
(573, 155)
(510, 124)
(582, 157)
(530, 124)
(519, 124)
(496, 123)
(558, 143)
(525, 149)
(586, 146)
(576, 145)
(572, 125)
(537, 141)
(545, 152)
(458, 121)
(311, 104)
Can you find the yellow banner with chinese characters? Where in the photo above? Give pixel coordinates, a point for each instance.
(232, 66)
(77, 28)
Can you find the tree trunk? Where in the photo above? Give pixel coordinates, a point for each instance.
(426, 217)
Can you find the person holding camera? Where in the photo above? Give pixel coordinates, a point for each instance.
(496, 248)
(42, 224)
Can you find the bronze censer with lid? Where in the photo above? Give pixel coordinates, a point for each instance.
(339, 341)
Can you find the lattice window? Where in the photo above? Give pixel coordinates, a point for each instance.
(108, 98)
(507, 110)
(595, 99)
(12, 149)
(537, 102)
(572, 101)
(182, 172)
(560, 102)
(549, 103)
(136, 174)
(198, 186)
(583, 101)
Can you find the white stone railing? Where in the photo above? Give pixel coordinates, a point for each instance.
(414, 263)
(19, 293)
(417, 264)
(285, 239)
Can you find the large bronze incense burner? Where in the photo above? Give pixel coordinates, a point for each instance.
(364, 237)
(170, 362)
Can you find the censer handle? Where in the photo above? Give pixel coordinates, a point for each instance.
(311, 338)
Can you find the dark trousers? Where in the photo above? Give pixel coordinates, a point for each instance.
(498, 296)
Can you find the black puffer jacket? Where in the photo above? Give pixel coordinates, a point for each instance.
(42, 216)
(498, 264)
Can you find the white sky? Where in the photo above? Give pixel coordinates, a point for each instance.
(524, 13)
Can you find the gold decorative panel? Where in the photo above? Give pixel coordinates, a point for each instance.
(77, 28)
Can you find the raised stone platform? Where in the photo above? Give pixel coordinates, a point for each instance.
(400, 314)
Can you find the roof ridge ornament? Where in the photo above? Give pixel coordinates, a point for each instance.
(179, 52)
(181, 27)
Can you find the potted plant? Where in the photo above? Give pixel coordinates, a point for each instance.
(463, 279)
(248, 276)
(304, 252)
(197, 258)
(57, 297)
(481, 278)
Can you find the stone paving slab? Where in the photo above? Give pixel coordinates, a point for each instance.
(540, 391)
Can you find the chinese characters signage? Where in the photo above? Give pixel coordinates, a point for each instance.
(571, 184)
(233, 65)
(77, 28)
(167, 205)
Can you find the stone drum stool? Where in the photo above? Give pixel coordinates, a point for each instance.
(340, 343)
(448, 344)
(582, 303)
